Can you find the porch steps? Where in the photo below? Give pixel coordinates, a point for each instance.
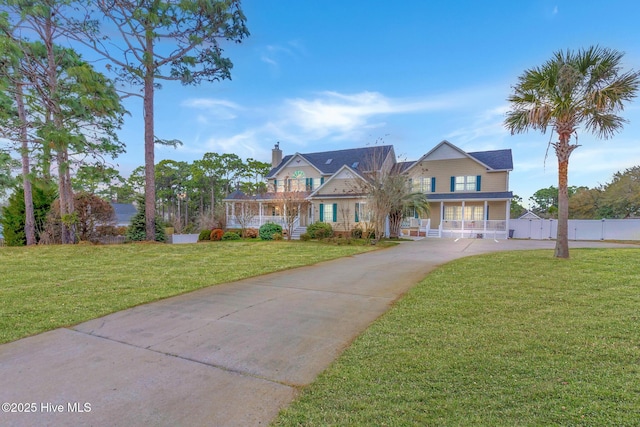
(295, 235)
(433, 233)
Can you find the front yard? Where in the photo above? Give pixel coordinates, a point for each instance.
(47, 287)
(504, 339)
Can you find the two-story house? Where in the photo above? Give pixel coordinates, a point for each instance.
(468, 193)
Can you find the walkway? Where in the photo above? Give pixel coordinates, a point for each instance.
(228, 355)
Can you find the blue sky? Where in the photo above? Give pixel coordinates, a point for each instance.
(335, 74)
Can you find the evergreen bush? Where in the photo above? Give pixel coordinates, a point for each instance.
(231, 235)
(320, 230)
(267, 231)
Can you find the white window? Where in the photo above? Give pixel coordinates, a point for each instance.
(465, 183)
(421, 185)
(471, 213)
(328, 212)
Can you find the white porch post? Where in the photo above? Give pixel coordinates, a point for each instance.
(462, 232)
(441, 218)
(260, 213)
(508, 217)
(233, 210)
(486, 217)
(226, 211)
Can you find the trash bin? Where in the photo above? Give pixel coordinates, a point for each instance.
(511, 233)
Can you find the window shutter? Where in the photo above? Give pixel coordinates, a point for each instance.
(433, 184)
(335, 212)
(478, 182)
(321, 180)
(275, 185)
(357, 212)
(415, 213)
(487, 212)
(321, 212)
(411, 185)
(453, 184)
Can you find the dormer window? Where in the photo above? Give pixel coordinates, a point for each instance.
(355, 165)
(328, 162)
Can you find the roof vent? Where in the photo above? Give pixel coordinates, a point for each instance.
(328, 162)
(355, 165)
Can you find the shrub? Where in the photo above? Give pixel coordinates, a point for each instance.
(137, 231)
(204, 235)
(267, 230)
(278, 236)
(251, 233)
(356, 233)
(216, 234)
(231, 235)
(320, 230)
(305, 237)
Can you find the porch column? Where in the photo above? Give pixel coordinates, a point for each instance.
(508, 217)
(260, 213)
(233, 211)
(441, 218)
(486, 217)
(462, 231)
(226, 211)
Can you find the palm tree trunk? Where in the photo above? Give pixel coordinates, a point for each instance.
(563, 151)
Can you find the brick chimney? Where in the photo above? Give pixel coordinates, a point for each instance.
(276, 155)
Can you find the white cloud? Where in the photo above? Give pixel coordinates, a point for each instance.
(217, 109)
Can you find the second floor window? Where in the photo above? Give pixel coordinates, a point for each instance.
(465, 183)
(422, 185)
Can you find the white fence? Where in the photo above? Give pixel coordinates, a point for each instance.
(579, 229)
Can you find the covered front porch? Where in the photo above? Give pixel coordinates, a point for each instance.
(471, 215)
(242, 211)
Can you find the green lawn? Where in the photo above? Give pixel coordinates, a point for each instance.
(46, 287)
(504, 339)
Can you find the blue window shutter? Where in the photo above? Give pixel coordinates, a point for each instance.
(335, 212)
(453, 184)
(487, 212)
(478, 182)
(321, 180)
(321, 212)
(357, 212)
(275, 185)
(415, 213)
(433, 184)
(411, 184)
(311, 183)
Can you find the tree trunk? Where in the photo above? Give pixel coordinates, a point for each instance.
(60, 145)
(149, 153)
(395, 224)
(563, 151)
(30, 221)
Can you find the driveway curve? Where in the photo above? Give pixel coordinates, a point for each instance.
(228, 355)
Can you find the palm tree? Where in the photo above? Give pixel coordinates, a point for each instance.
(570, 90)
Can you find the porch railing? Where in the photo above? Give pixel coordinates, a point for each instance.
(258, 221)
(486, 229)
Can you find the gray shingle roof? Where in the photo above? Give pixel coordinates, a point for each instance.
(124, 212)
(338, 158)
(496, 159)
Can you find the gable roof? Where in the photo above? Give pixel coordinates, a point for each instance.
(338, 158)
(344, 168)
(495, 160)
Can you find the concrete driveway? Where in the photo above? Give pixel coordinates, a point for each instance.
(228, 355)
